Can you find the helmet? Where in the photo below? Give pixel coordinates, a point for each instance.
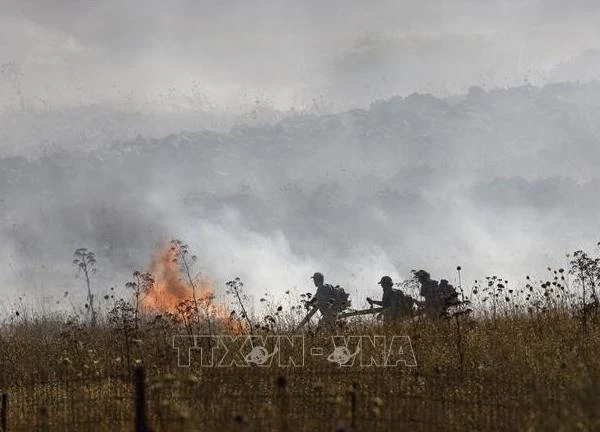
(318, 277)
(422, 274)
(386, 280)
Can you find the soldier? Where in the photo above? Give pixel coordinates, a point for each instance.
(394, 302)
(437, 295)
(448, 293)
(329, 300)
(429, 290)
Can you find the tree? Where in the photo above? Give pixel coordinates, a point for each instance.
(236, 288)
(85, 261)
(186, 261)
(142, 284)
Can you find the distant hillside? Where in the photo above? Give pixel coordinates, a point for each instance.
(495, 178)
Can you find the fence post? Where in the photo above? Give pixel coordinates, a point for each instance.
(44, 425)
(3, 412)
(283, 404)
(140, 400)
(353, 406)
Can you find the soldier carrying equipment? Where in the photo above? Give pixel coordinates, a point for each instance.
(329, 300)
(394, 303)
(438, 296)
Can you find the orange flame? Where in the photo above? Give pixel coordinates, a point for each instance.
(170, 290)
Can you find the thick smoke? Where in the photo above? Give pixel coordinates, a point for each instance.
(501, 182)
(356, 141)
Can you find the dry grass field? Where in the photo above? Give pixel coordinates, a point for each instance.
(519, 372)
(525, 358)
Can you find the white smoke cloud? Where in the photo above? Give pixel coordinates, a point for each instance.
(89, 90)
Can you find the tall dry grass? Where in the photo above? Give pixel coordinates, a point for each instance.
(526, 358)
(540, 371)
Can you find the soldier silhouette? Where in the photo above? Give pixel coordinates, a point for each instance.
(437, 296)
(329, 300)
(395, 303)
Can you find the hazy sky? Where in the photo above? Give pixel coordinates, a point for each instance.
(286, 53)
(494, 181)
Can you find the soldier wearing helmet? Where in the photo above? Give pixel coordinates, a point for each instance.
(329, 300)
(395, 303)
(437, 295)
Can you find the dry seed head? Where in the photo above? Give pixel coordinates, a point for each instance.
(377, 401)
(193, 379)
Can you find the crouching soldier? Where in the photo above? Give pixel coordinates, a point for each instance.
(395, 303)
(438, 296)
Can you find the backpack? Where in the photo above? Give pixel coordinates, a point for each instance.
(337, 298)
(447, 292)
(400, 302)
(342, 298)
